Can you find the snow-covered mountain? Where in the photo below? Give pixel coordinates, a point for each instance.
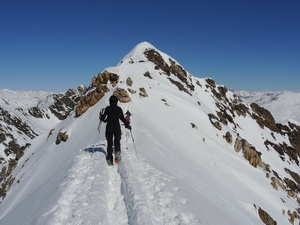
(23, 116)
(197, 154)
(284, 106)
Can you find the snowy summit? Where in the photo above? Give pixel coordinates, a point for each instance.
(197, 154)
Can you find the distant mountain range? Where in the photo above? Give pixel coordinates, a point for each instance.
(283, 105)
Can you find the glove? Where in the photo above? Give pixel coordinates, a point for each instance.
(102, 115)
(127, 126)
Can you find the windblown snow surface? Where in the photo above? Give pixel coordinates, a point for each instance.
(170, 172)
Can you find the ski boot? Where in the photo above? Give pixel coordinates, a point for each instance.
(110, 162)
(117, 157)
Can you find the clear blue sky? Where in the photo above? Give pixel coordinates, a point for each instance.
(53, 45)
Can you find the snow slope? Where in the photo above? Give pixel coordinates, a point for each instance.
(171, 171)
(283, 105)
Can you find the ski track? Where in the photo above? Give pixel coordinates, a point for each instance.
(149, 197)
(132, 193)
(91, 193)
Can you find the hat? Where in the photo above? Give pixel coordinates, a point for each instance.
(113, 100)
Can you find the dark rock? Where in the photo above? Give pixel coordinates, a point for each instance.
(266, 218)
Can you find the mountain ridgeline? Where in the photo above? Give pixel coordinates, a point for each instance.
(161, 93)
(229, 110)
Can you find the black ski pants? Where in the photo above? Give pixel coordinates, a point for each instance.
(113, 137)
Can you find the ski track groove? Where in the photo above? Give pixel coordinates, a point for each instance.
(131, 192)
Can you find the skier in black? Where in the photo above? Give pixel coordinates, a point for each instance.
(111, 115)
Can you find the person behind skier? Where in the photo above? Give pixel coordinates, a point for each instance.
(127, 117)
(111, 116)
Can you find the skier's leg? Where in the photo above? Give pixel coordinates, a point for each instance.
(117, 146)
(117, 142)
(109, 138)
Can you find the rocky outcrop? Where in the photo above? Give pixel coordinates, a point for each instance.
(15, 121)
(174, 69)
(228, 137)
(129, 81)
(182, 75)
(122, 95)
(147, 74)
(105, 77)
(249, 152)
(13, 124)
(214, 121)
(143, 93)
(153, 56)
(6, 178)
(61, 136)
(97, 91)
(265, 217)
(282, 149)
(263, 117)
(90, 99)
(36, 112)
(131, 91)
(239, 108)
(210, 82)
(65, 103)
(179, 85)
(294, 137)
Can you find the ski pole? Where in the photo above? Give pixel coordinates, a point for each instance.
(100, 116)
(134, 146)
(99, 126)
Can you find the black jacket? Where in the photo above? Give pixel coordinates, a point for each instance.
(111, 115)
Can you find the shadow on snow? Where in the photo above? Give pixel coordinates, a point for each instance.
(95, 149)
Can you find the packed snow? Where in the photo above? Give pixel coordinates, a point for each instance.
(171, 173)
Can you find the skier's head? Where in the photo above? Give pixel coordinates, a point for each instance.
(113, 100)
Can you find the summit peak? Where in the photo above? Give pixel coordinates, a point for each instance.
(138, 51)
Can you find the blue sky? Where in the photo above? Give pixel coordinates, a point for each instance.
(58, 44)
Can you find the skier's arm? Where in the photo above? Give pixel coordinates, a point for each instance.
(122, 118)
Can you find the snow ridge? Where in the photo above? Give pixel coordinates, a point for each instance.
(190, 169)
(94, 193)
